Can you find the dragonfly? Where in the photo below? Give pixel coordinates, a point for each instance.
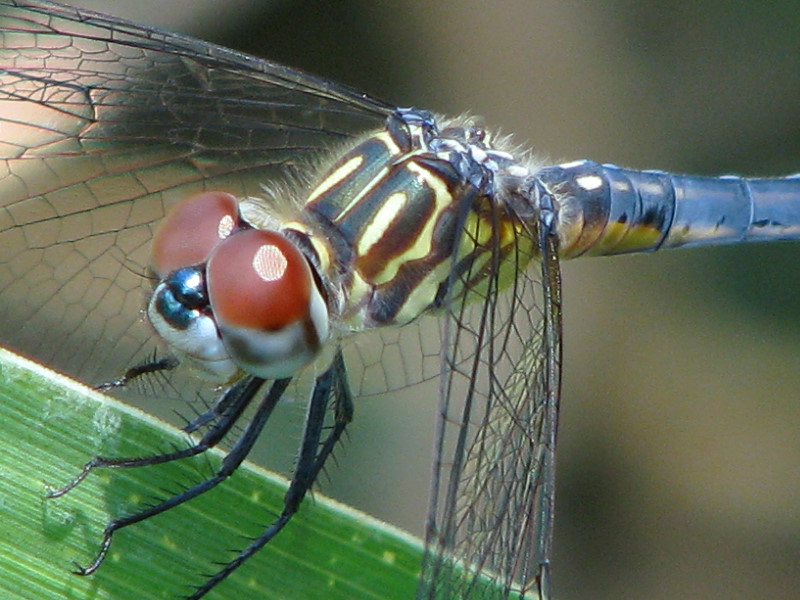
(399, 221)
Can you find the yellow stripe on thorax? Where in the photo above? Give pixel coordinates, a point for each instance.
(423, 244)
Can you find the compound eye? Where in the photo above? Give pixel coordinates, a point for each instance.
(192, 230)
(266, 303)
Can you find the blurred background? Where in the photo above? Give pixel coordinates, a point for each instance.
(679, 447)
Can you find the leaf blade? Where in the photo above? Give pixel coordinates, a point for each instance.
(52, 425)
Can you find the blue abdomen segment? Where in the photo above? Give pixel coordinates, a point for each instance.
(604, 209)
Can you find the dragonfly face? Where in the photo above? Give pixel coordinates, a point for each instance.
(231, 296)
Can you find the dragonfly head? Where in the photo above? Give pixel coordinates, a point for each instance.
(230, 297)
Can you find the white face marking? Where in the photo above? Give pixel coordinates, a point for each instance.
(199, 343)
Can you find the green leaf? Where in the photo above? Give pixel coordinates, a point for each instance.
(50, 426)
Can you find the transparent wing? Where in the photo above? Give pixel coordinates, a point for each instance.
(103, 125)
(491, 508)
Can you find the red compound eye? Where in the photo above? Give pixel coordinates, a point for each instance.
(259, 280)
(192, 230)
(268, 309)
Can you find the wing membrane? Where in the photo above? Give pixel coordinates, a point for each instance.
(490, 518)
(103, 125)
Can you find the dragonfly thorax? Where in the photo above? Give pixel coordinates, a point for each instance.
(406, 208)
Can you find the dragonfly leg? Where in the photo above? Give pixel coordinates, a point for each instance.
(156, 365)
(235, 400)
(227, 407)
(159, 365)
(230, 463)
(313, 452)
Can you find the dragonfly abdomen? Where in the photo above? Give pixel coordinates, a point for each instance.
(604, 209)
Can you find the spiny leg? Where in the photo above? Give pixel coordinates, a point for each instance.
(227, 405)
(156, 365)
(230, 463)
(159, 365)
(233, 403)
(313, 453)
